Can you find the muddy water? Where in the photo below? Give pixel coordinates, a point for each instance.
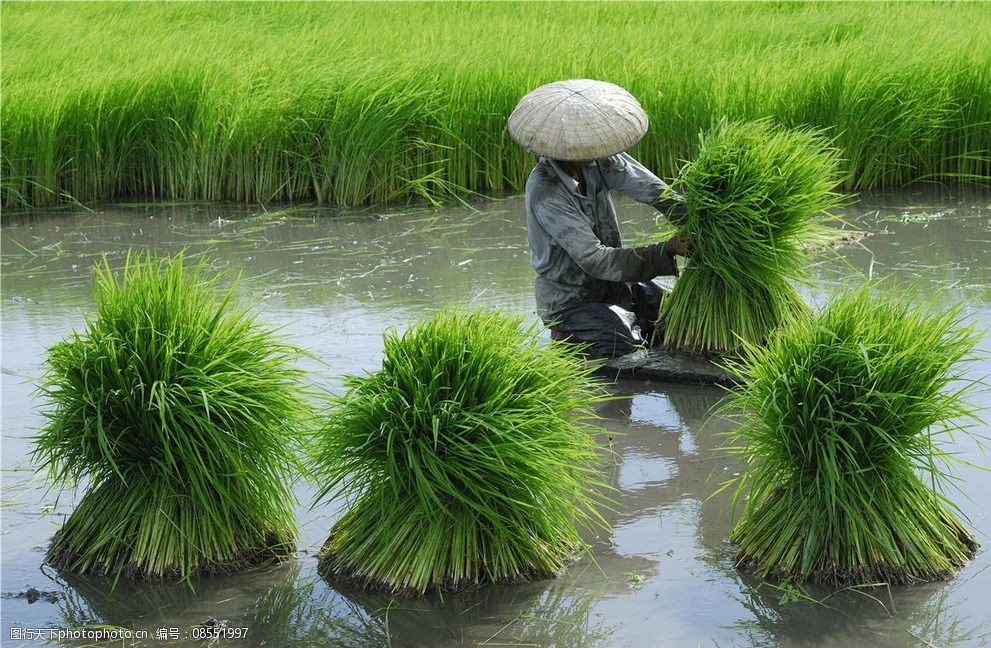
(665, 574)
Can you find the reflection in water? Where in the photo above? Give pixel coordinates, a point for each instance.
(861, 615)
(665, 576)
(277, 606)
(525, 613)
(282, 607)
(940, 621)
(671, 431)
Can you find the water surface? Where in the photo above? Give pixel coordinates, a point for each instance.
(665, 574)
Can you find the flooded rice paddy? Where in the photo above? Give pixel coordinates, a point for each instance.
(664, 577)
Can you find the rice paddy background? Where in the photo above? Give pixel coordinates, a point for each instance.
(351, 103)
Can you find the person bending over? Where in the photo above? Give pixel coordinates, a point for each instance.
(589, 288)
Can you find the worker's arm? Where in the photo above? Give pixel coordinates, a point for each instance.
(626, 175)
(571, 230)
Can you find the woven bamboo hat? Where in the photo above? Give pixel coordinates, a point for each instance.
(578, 119)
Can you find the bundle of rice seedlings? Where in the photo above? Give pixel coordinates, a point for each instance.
(178, 409)
(752, 196)
(842, 419)
(467, 458)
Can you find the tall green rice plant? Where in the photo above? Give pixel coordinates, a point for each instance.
(752, 195)
(343, 103)
(843, 419)
(465, 459)
(178, 410)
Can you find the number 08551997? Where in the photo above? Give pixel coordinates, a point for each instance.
(219, 632)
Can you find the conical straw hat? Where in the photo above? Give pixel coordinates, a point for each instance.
(578, 119)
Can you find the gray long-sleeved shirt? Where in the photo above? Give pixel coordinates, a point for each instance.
(575, 245)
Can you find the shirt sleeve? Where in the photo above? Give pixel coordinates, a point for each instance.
(624, 174)
(570, 229)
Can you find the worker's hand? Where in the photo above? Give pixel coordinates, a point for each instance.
(679, 244)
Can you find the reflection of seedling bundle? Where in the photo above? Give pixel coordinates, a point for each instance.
(751, 196)
(465, 458)
(543, 615)
(178, 410)
(841, 418)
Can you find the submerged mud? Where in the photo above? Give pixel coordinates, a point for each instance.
(665, 575)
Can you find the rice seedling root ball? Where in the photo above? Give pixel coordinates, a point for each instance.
(843, 420)
(467, 458)
(177, 410)
(755, 196)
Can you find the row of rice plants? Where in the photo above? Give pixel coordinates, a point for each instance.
(348, 103)
(469, 456)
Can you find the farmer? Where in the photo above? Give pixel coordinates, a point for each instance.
(589, 288)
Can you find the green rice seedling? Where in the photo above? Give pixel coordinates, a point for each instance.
(752, 195)
(843, 418)
(465, 459)
(178, 409)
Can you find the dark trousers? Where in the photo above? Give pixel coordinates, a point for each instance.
(612, 330)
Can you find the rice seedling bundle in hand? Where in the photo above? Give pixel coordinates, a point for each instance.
(178, 410)
(465, 459)
(752, 196)
(842, 419)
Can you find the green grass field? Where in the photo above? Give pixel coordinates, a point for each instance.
(355, 103)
